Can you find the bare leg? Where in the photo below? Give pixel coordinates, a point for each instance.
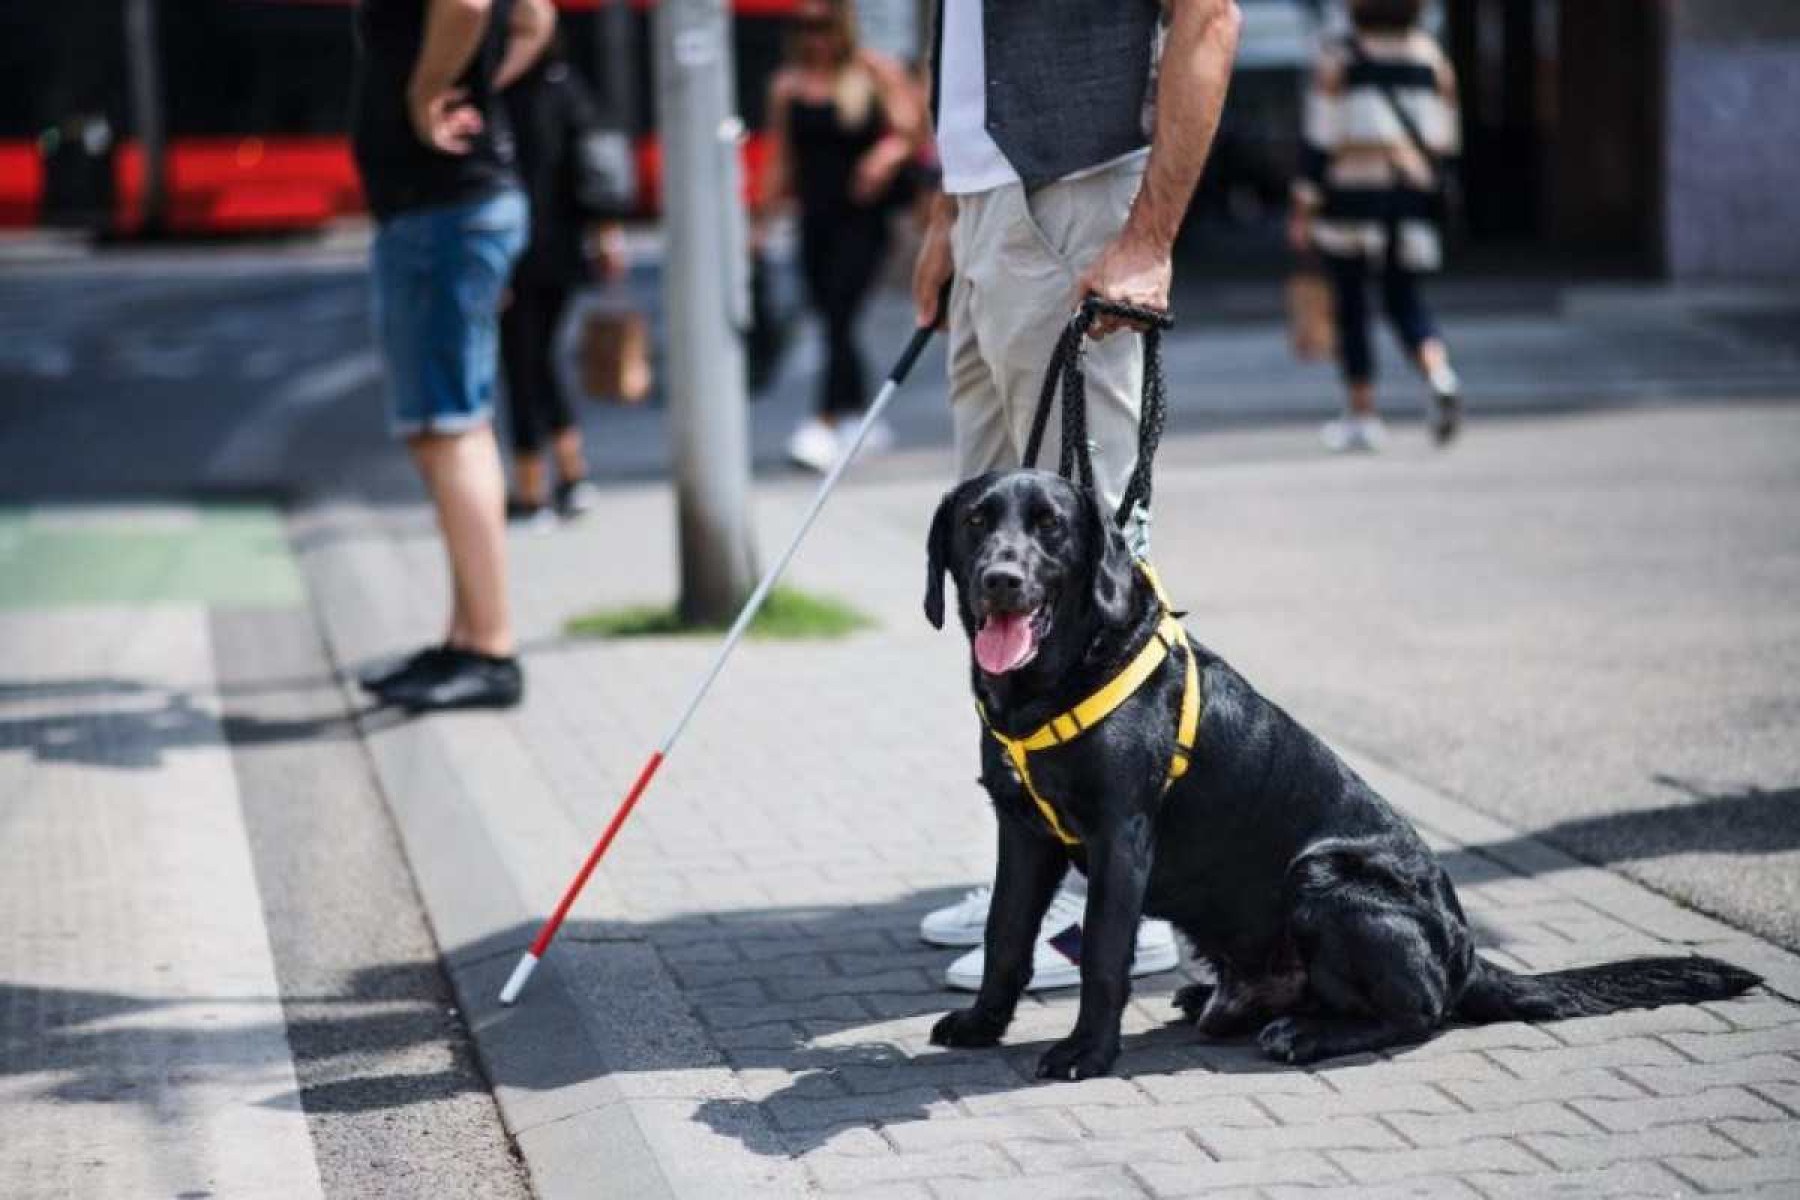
(528, 471)
(571, 463)
(1362, 399)
(1433, 356)
(468, 489)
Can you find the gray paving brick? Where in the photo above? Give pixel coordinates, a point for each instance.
(1430, 1187)
(1603, 1149)
(823, 1008)
(1363, 1102)
(893, 1191)
(1697, 1077)
(1637, 1179)
(1756, 1012)
(1676, 1018)
(1346, 1133)
(1763, 1137)
(1201, 1116)
(1069, 1153)
(1489, 1154)
(824, 983)
(1071, 1097)
(1722, 1174)
(954, 1129)
(852, 1173)
(1097, 1183)
(796, 1113)
(702, 977)
(966, 1072)
(1207, 1178)
(1646, 1112)
(1626, 1052)
(1543, 1117)
(1784, 1092)
(1510, 1034)
(1594, 1082)
(1722, 1047)
(1383, 1073)
(1207, 1085)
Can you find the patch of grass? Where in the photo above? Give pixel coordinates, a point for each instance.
(789, 614)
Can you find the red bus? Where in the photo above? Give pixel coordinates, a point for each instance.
(255, 98)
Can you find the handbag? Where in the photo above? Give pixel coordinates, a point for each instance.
(613, 352)
(1312, 321)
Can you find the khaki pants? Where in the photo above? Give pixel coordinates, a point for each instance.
(1017, 257)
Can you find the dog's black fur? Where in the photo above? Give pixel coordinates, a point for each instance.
(1329, 925)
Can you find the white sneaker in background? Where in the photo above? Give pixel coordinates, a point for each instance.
(960, 924)
(1354, 433)
(1056, 958)
(879, 441)
(813, 445)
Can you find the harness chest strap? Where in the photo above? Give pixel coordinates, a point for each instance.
(1102, 704)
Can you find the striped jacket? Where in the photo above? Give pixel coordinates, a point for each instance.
(1361, 174)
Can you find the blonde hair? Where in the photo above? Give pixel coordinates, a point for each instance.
(855, 90)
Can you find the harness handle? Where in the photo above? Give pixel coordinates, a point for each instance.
(1067, 371)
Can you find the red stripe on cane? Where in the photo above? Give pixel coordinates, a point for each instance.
(548, 932)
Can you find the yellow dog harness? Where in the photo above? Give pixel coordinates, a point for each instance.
(1103, 703)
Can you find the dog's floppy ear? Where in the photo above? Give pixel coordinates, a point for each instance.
(1114, 573)
(937, 559)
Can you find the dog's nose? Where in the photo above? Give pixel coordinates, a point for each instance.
(1002, 585)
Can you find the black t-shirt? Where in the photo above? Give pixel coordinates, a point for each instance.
(400, 172)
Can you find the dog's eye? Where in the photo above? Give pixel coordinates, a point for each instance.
(1048, 523)
(976, 519)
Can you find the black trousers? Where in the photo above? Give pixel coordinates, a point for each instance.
(537, 410)
(840, 253)
(1401, 297)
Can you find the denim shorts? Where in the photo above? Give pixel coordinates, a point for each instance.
(439, 274)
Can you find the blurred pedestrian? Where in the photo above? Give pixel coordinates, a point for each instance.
(844, 126)
(1381, 125)
(550, 111)
(436, 157)
(1070, 151)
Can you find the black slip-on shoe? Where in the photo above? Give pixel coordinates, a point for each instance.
(409, 669)
(463, 679)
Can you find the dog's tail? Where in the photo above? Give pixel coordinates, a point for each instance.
(1496, 994)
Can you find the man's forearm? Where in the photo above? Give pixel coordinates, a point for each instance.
(1190, 97)
(527, 35)
(453, 30)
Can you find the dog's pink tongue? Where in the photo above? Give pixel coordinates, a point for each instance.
(1004, 641)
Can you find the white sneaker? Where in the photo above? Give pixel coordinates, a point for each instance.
(960, 924)
(879, 441)
(1349, 433)
(1056, 958)
(813, 445)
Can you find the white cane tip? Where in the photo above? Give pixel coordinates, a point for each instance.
(515, 983)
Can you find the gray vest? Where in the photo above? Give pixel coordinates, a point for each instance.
(1068, 81)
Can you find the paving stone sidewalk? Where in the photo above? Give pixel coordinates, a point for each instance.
(755, 951)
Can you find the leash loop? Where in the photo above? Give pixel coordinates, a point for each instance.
(1067, 373)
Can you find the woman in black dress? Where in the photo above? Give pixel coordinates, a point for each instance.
(844, 124)
(548, 109)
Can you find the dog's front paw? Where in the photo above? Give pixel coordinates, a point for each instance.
(1078, 1057)
(1291, 1040)
(967, 1028)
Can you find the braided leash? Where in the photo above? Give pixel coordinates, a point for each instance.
(1067, 371)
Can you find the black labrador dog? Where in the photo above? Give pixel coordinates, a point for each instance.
(1329, 926)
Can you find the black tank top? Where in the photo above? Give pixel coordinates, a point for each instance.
(826, 151)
